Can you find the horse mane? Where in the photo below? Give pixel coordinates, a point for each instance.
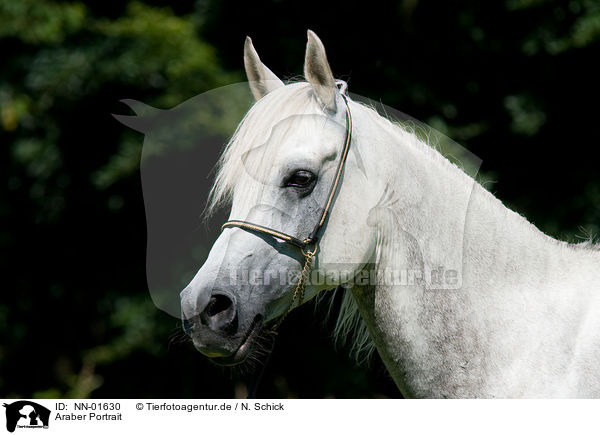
(591, 241)
(349, 330)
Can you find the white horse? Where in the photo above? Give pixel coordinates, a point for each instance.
(518, 314)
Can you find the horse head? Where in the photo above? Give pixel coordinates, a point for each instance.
(282, 174)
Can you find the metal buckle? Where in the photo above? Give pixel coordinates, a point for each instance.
(310, 253)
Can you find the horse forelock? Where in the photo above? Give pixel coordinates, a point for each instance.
(253, 131)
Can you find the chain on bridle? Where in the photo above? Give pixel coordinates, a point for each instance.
(312, 241)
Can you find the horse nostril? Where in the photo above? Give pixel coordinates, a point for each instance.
(218, 304)
(220, 313)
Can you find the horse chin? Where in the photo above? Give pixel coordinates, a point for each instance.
(246, 346)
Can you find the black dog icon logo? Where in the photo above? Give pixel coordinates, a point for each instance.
(26, 413)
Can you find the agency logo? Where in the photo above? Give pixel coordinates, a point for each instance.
(25, 414)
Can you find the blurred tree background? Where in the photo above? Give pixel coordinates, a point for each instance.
(514, 81)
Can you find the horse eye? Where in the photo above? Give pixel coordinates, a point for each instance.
(300, 179)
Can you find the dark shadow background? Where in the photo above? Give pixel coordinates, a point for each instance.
(514, 81)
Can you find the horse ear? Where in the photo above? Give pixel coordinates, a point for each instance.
(318, 73)
(262, 80)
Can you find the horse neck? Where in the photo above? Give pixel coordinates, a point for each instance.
(437, 338)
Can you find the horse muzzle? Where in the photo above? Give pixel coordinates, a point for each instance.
(216, 331)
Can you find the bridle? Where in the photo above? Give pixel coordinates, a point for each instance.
(313, 239)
